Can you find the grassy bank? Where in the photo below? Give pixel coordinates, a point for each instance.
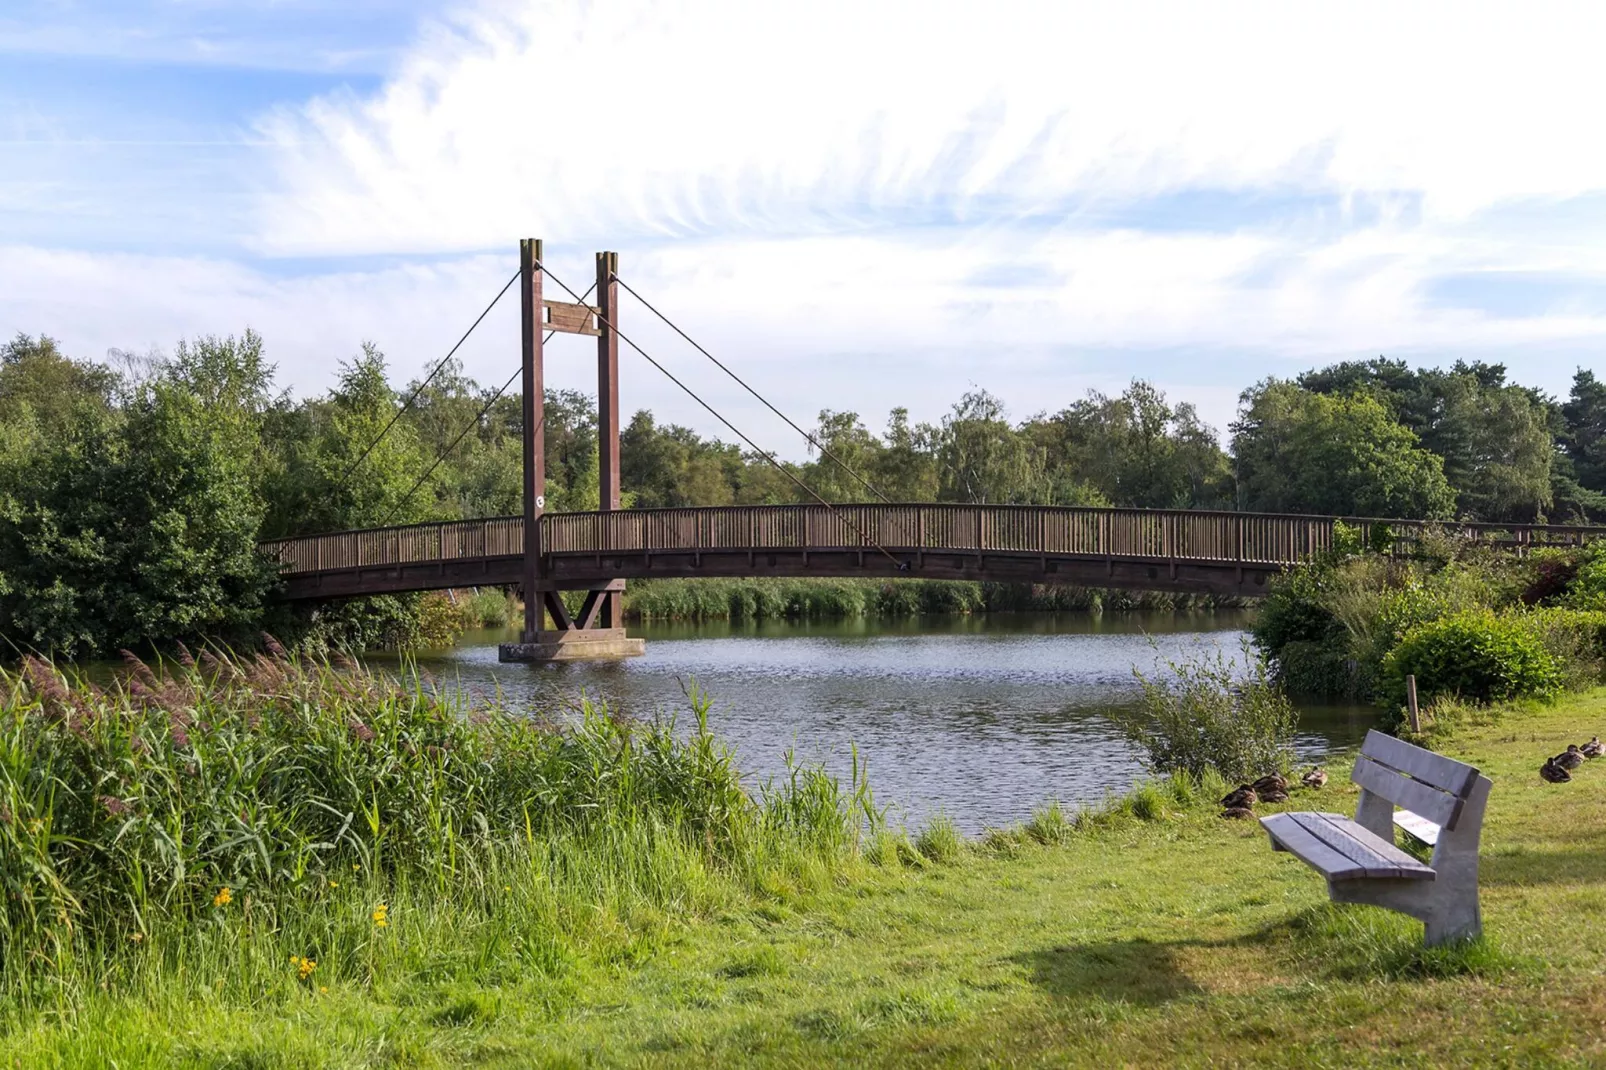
(189, 832)
(825, 598)
(1155, 934)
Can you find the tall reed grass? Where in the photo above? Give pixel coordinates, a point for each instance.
(227, 821)
(763, 598)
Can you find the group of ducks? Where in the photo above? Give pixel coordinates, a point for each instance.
(1239, 803)
(1558, 770)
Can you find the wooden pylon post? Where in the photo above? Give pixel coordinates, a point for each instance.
(611, 611)
(534, 416)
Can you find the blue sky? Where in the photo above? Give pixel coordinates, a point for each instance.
(1202, 195)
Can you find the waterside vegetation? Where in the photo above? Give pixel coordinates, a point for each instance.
(1143, 932)
(206, 822)
(132, 497)
(1470, 623)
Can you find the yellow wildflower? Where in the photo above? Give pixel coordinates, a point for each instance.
(334, 884)
(223, 897)
(381, 916)
(138, 938)
(323, 988)
(304, 966)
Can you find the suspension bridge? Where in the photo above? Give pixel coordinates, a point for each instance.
(545, 554)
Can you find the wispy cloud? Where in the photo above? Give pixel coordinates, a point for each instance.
(878, 203)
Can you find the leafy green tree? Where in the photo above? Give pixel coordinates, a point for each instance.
(1583, 435)
(981, 458)
(1136, 450)
(1301, 452)
(135, 525)
(1494, 436)
(340, 472)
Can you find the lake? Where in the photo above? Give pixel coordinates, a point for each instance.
(980, 718)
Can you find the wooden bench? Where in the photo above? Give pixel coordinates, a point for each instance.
(1359, 858)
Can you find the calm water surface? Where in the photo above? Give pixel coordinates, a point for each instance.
(977, 718)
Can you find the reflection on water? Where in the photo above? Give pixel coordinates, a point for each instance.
(980, 718)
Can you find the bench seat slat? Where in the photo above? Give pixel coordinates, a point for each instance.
(1417, 826)
(1437, 806)
(1434, 770)
(1340, 849)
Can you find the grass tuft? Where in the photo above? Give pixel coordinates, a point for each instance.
(940, 841)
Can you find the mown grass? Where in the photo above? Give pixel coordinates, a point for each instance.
(1151, 933)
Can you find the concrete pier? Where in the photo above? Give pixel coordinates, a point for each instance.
(588, 644)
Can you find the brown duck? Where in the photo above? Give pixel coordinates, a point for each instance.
(1272, 796)
(1241, 797)
(1593, 749)
(1316, 778)
(1554, 773)
(1238, 813)
(1571, 758)
(1269, 784)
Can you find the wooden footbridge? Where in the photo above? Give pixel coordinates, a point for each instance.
(1137, 549)
(545, 554)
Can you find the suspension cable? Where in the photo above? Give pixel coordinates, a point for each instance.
(472, 424)
(816, 443)
(868, 541)
(427, 380)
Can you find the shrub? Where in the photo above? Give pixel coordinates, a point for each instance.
(1477, 655)
(1205, 717)
(488, 608)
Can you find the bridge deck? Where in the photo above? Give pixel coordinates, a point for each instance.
(1176, 550)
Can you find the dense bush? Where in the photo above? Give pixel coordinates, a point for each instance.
(1477, 655)
(1207, 716)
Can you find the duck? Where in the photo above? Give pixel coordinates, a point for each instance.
(1316, 778)
(1243, 796)
(1237, 813)
(1272, 796)
(1571, 758)
(1554, 773)
(1271, 782)
(1593, 749)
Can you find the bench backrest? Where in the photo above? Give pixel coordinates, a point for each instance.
(1418, 780)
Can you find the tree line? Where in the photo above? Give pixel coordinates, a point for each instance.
(132, 497)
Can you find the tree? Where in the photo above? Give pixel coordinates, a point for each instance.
(1302, 452)
(135, 525)
(1136, 450)
(1494, 437)
(1583, 437)
(981, 458)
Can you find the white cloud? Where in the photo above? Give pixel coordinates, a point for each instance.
(871, 204)
(585, 122)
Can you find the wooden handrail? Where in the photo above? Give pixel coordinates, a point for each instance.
(1155, 534)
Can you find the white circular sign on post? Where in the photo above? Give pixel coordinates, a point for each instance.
(540, 501)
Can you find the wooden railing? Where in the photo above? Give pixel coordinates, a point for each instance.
(1153, 534)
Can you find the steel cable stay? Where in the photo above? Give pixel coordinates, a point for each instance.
(903, 566)
(428, 379)
(472, 424)
(816, 443)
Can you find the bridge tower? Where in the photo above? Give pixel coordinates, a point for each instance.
(598, 630)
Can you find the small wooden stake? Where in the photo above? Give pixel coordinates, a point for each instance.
(1410, 704)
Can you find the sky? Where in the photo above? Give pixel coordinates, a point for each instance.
(857, 205)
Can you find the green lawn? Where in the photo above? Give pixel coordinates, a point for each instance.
(1181, 940)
